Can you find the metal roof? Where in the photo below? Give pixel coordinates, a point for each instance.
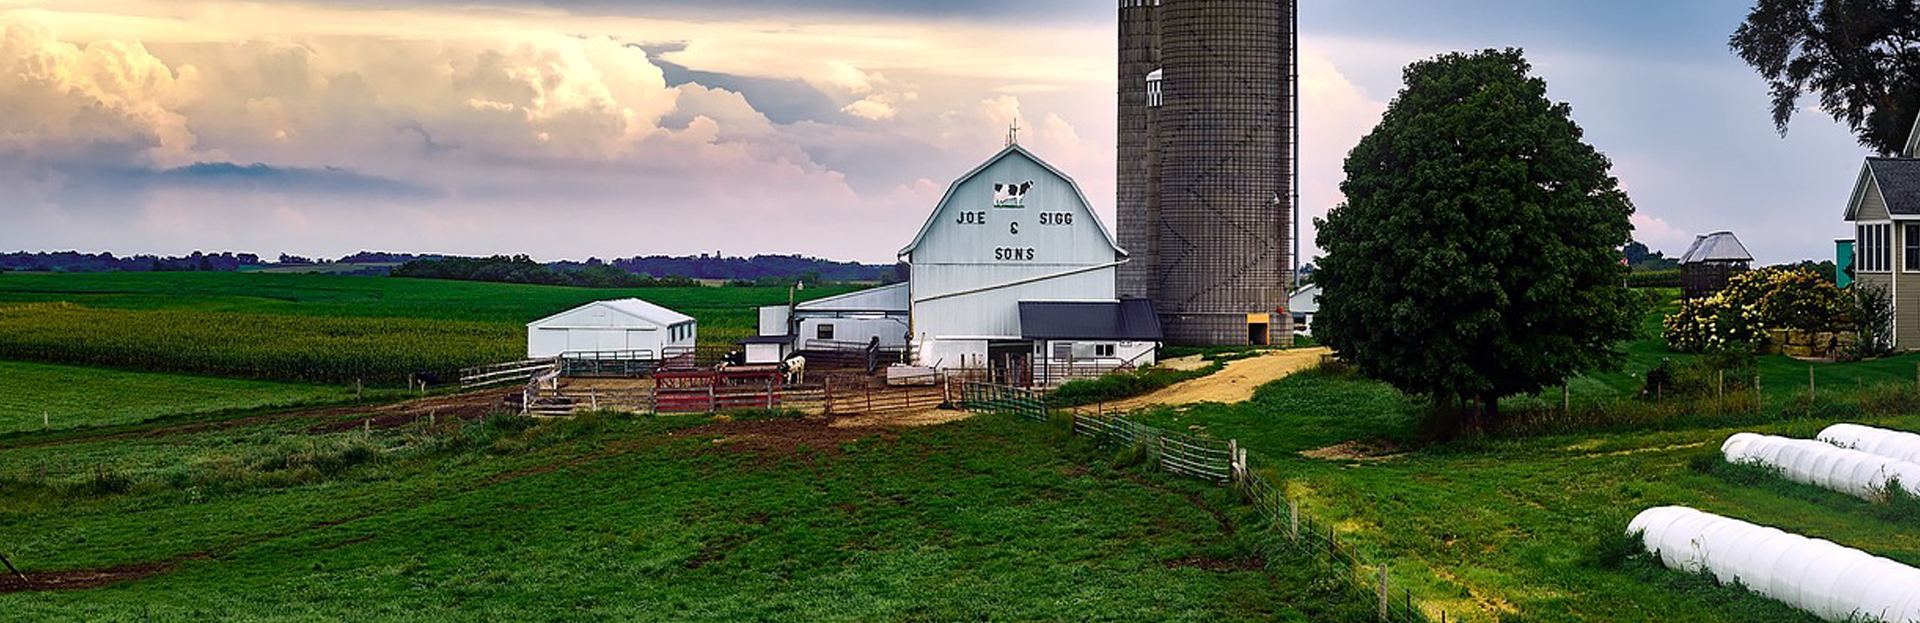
(1719, 246)
(636, 308)
(1010, 150)
(1131, 319)
(892, 298)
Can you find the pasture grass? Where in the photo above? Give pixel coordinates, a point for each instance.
(1493, 528)
(73, 396)
(612, 517)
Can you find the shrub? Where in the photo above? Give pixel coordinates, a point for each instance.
(1756, 302)
(1874, 310)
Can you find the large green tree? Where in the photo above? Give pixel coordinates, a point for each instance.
(1861, 57)
(1478, 252)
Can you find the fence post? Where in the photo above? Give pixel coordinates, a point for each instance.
(1756, 393)
(593, 395)
(1293, 519)
(1566, 399)
(1811, 393)
(1383, 592)
(1233, 460)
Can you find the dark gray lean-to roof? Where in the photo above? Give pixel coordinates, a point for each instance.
(1128, 320)
(1899, 182)
(1719, 246)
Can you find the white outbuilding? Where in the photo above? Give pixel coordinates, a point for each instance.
(618, 329)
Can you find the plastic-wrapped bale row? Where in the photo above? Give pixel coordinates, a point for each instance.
(1823, 465)
(1831, 581)
(1892, 444)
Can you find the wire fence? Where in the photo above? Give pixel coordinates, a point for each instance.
(1226, 463)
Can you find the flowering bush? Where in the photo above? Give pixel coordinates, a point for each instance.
(1754, 303)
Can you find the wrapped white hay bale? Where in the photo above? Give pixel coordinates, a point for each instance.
(1892, 444)
(1831, 581)
(1823, 465)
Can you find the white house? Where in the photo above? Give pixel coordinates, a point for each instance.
(1305, 304)
(617, 329)
(1014, 230)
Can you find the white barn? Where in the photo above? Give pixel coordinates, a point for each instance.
(1013, 230)
(618, 329)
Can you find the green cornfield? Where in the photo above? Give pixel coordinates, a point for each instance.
(315, 349)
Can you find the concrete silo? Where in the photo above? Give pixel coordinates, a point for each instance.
(1206, 190)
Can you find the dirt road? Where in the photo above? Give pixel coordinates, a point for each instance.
(1233, 384)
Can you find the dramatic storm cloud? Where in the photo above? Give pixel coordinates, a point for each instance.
(568, 129)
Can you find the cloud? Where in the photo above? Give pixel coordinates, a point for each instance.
(489, 129)
(263, 178)
(66, 101)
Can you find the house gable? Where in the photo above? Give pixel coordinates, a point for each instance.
(1014, 209)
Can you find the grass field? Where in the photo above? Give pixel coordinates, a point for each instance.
(1779, 376)
(72, 396)
(1513, 527)
(634, 519)
(314, 328)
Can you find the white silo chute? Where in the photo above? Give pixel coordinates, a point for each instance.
(1823, 465)
(1831, 581)
(1892, 444)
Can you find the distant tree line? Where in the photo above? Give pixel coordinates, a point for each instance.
(522, 269)
(77, 262)
(770, 270)
(782, 267)
(1642, 259)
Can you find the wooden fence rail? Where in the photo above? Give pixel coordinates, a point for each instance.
(503, 373)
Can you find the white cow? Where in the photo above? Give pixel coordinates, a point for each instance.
(796, 367)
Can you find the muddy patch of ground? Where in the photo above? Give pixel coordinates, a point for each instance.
(783, 436)
(468, 406)
(1355, 451)
(82, 579)
(902, 419)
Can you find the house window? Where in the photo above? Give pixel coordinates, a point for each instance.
(825, 331)
(1063, 350)
(1103, 350)
(1876, 248)
(1910, 246)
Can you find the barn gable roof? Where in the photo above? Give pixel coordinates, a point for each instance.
(1005, 153)
(890, 298)
(631, 307)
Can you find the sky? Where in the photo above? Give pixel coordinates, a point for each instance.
(569, 129)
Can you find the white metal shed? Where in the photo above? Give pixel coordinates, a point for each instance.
(618, 329)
